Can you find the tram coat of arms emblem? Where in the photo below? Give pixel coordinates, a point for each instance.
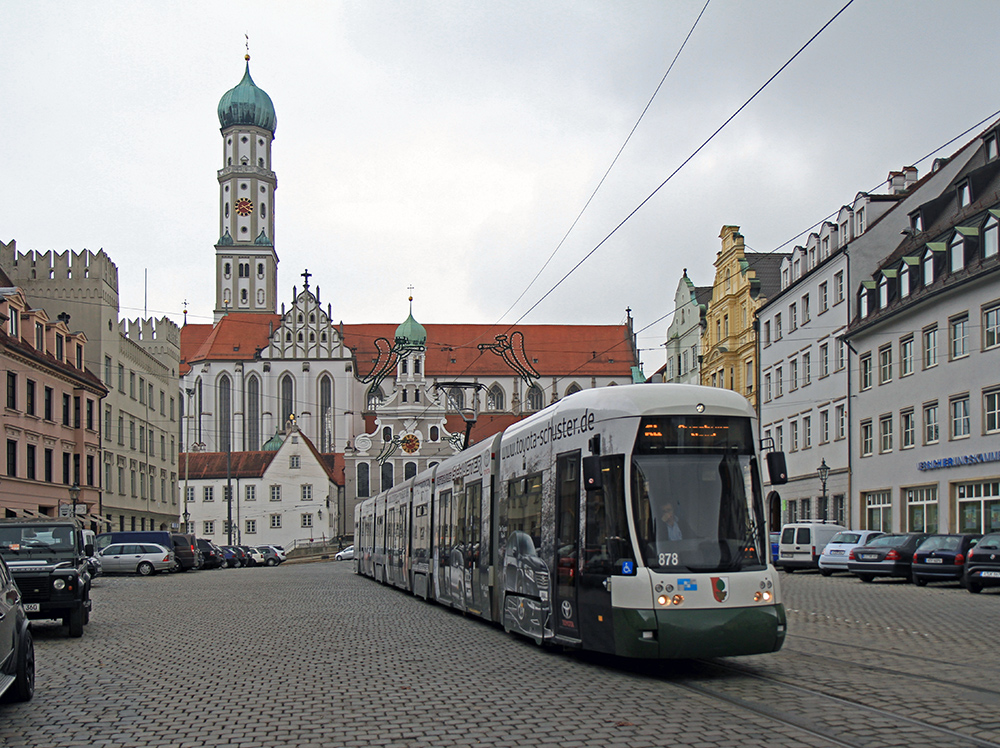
(720, 588)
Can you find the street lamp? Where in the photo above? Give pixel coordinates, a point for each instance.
(824, 473)
(74, 495)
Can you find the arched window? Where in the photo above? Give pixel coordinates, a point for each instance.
(991, 237)
(409, 470)
(253, 414)
(572, 388)
(375, 398)
(435, 433)
(260, 269)
(326, 414)
(364, 474)
(224, 414)
(387, 433)
(387, 475)
(456, 398)
(286, 388)
(494, 398)
(536, 400)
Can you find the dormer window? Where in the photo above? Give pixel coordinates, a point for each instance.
(12, 325)
(991, 147)
(964, 194)
(863, 303)
(883, 293)
(956, 252)
(861, 220)
(991, 237)
(796, 269)
(916, 222)
(928, 267)
(904, 281)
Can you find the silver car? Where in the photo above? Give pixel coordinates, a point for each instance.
(136, 558)
(838, 550)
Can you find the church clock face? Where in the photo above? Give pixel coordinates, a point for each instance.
(243, 206)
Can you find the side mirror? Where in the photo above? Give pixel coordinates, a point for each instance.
(776, 469)
(88, 549)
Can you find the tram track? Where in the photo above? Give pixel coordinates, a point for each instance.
(835, 719)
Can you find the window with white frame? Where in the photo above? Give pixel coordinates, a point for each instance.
(307, 520)
(991, 411)
(777, 326)
(867, 444)
(838, 287)
(805, 309)
(294, 462)
(778, 382)
(806, 432)
(932, 429)
(878, 507)
(824, 426)
(991, 237)
(908, 429)
(276, 492)
(767, 333)
(250, 527)
(904, 281)
(885, 364)
(207, 493)
(208, 527)
(921, 508)
(188, 493)
(956, 252)
(806, 368)
(793, 433)
(906, 356)
(959, 336)
(930, 335)
(866, 371)
(977, 506)
(250, 493)
(824, 359)
(841, 355)
(991, 327)
(779, 438)
(793, 372)
(767, 387)
(964, 194)
(307, 492)
(793, 317)
(885, 433)
(824, 297)
(275, 521)
(841, 417)
(960, 425)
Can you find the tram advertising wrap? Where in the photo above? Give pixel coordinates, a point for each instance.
(628, 520)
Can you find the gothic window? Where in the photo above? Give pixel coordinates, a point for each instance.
(535, 398)
(227, 269)
(456, 398)
(260, 269)
(409, 470)
(387, 476)
(287, 398)
(572, 388)
(225, 413)
(253, 414)
(326, 414)
(375, 398)
(364, 471)
(495, 398)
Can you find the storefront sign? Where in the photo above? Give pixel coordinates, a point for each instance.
(948, 462)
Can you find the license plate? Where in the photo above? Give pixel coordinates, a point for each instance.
(836, 553)
(868, 556)
(32, 607)
(989, 574)
(787, 554)
(933, 560)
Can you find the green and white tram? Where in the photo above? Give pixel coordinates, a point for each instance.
(627, 520)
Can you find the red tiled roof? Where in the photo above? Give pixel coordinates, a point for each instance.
(235, 337)
(205, 465)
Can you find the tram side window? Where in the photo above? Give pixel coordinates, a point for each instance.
(474, 496)
(444, 536)
(606, 539)
(524, 511)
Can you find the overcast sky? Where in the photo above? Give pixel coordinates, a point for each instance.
(451, 145)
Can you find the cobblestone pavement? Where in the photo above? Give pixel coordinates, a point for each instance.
(312, 655)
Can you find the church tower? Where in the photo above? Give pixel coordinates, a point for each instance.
(246, 265)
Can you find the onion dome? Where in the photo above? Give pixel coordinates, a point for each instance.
(411, 332)
(247, 105)
(262, 240)
(274, 443)
(226, 240)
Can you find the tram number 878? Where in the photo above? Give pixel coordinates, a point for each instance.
(669, 559)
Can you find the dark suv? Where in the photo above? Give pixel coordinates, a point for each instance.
(48, 560)
(211, 555)
(17, 650)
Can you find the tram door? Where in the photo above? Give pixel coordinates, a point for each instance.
(473, 547)
(459, 529)
(606, 546)
(442, 572)
(567, 545)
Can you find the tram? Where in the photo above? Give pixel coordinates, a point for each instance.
(628, 520)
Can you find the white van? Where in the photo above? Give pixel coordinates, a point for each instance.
(802, 544)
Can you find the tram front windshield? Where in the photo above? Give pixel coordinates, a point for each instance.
(696, 494)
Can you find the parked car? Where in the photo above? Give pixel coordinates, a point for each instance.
(241, 555)
(254, 556)
(230, 559)
(982, 564)
(17, 649)
(345, 555)
(143, 559)
(271, 557)
(802, 544)
(888, 555)
(211, 554)
(184, 547)
(277, 549)
(837, 551)
(941, 558)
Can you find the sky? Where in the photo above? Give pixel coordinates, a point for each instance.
(452, 146)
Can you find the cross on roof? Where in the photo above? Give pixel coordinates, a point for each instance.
(305, 284)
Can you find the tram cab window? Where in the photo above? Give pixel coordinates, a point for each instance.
(696, 494)
(606, 537)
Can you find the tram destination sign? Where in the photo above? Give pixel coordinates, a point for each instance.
(961, 460)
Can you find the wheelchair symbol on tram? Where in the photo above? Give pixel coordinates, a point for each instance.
(628, 568)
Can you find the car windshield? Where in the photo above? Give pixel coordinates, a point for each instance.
(36, 541)
(940, 543)
(696, 495)
(989, 542)
(846, 537)
(888, 541)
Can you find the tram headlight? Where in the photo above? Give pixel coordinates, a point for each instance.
(677, 599)
(764, 596)
(666, 600)
(663, 600)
